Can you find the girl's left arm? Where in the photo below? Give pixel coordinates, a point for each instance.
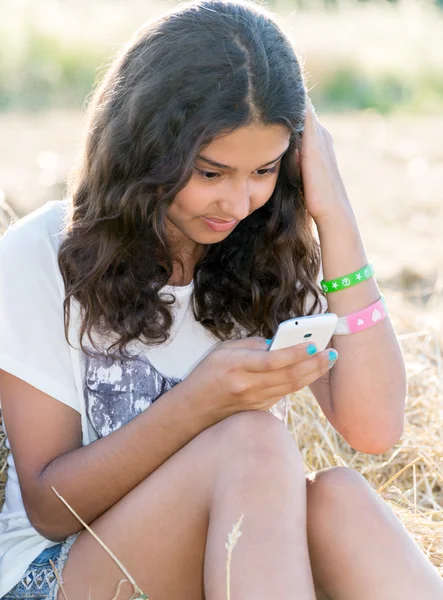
(367, 385)
(367, 388)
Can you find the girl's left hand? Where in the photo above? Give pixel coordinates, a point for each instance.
(324, 190)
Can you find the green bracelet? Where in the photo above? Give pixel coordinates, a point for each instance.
(342, 283)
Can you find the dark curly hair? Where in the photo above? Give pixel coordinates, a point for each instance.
(208, 67)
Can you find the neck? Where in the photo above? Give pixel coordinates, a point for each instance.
(182, 277)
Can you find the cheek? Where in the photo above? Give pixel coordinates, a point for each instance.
(262, 193)
(192, 200)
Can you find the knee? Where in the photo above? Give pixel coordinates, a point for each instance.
(259, 437)
(337, 486)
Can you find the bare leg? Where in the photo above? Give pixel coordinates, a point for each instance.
(358, 547)
(170, 531)
(271, 559)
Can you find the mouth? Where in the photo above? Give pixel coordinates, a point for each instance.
(219, 224)
(219, 220)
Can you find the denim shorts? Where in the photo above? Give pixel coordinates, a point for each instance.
(39, 582)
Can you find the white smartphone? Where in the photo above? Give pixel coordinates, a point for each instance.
(317, 329)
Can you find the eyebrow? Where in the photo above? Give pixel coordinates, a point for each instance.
(220, 166)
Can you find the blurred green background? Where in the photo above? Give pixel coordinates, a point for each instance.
(380, 54)
(375, 73)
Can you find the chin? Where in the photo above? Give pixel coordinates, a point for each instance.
(211, 238)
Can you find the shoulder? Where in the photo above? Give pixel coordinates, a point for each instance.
(34, 240)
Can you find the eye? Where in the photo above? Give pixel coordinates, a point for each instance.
(210, 175)
(264, 172)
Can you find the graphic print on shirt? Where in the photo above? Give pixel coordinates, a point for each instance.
(117, 390)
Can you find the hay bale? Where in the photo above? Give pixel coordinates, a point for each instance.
(409, 477)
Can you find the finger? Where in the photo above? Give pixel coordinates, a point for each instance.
(296, 372)
(292, 388)
(302, 380)
(265, 362)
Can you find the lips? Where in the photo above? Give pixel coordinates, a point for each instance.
(218, 225)
(219, 220)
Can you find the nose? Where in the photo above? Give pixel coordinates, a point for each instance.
(236, 204)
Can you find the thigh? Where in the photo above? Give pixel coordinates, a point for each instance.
(158, 530)
(330, 493)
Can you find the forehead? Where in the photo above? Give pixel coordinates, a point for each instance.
(249, 146)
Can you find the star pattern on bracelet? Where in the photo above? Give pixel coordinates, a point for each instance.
(347, 281)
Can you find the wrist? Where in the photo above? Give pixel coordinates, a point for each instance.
(199, 407)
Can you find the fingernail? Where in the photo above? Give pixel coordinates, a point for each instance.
(268, 342)
(333, 355)
(311, 349)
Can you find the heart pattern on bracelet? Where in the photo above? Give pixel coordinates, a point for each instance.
(376, 316)
(342, 329)
(362, 319)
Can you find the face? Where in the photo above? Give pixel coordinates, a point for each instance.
(233, 176)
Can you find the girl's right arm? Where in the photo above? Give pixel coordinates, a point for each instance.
(46, 442)
(45, 434)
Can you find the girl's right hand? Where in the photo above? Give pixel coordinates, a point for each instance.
(240, 375)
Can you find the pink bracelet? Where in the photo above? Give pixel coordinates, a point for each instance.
(362, 319)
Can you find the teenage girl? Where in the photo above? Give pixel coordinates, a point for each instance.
(135, 378)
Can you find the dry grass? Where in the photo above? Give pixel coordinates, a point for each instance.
(230, 545)
(410, 476)
(138, 594)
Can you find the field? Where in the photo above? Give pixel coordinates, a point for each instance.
(392, 166)
(357, 56)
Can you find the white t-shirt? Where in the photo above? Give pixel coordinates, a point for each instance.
(33, 347)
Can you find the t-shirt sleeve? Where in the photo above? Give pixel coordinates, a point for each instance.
(33, 346)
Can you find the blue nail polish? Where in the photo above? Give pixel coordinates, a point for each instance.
(333, 355)
(311, 349)
(269, 342)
